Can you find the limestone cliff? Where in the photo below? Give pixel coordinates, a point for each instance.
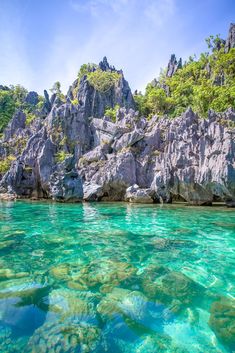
(73, 152)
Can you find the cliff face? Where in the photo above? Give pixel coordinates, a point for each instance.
(73, 152)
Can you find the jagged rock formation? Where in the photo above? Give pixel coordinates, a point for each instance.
(173, 66)
(230, 42)
(74, 152)
(94, 102)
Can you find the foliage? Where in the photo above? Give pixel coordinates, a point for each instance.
(111, 112)
(61, 156)
(140, 101)
(85, 69)
(6, 163)
(29, 116)
(12, 98)
(74, 101)
(7, 107)
(103, 81)
(56, 89)
(203, 84)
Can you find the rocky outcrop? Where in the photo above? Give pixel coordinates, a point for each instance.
(16, 125)
(66, 185)
(32, 98)
(173, 66)
(135, 194)
(95, 101)
(73, 152)
(230, 42)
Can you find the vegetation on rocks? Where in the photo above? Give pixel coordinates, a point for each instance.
(203, 84)
(12, 98)
(6, 163)
(111, 113)
(103, 81)
(61, 156)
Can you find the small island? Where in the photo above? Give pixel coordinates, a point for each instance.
(107, 243)
(102, 142)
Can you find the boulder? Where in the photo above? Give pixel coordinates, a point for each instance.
(135, 194)
(92, 192)
(127, 140)
(222, 321)
(68, 335)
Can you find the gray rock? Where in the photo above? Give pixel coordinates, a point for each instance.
(15, 126)
(72, 146)
(135, 194)
(92, 192)
(32, 98)
(94, 102)
(230, 42)
(65, 183)
(127, 140)
(115, 175)
(173, 66)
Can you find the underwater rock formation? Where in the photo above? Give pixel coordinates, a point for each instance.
(222, 321)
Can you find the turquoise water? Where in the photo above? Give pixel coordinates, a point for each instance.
(108, 277)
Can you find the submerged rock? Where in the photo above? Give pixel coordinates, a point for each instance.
(133, 309)
(67, 303)
(67, 336)
(11, 344)
(171, 288)
(222, 321)
(7, 273)
(179, 286)
(105, 272)
(22, 305)
(166, 244)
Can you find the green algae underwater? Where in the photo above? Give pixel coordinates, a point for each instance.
(115, 277)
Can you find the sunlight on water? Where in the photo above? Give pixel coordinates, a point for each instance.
(116, 278)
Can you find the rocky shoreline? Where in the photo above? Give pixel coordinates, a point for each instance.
(73, 150)
(133, 159)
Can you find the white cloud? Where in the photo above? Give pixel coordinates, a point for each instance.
(159, 11)
(14, 63)
(120, 29)
(95, 7)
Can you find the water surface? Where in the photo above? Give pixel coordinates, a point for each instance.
(115, 277)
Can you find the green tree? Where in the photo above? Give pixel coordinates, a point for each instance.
(56, 88)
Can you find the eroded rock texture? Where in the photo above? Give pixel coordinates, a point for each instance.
(73, 152)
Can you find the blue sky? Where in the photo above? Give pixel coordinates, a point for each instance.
(43, 41)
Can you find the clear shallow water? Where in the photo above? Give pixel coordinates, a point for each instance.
(116, 278)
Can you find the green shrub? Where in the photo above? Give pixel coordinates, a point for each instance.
(29, 117)
(203, 84)
(85, 69)
(103, 81)
(6, 163)
(74, 101)
(111, 113)
(61, 156)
